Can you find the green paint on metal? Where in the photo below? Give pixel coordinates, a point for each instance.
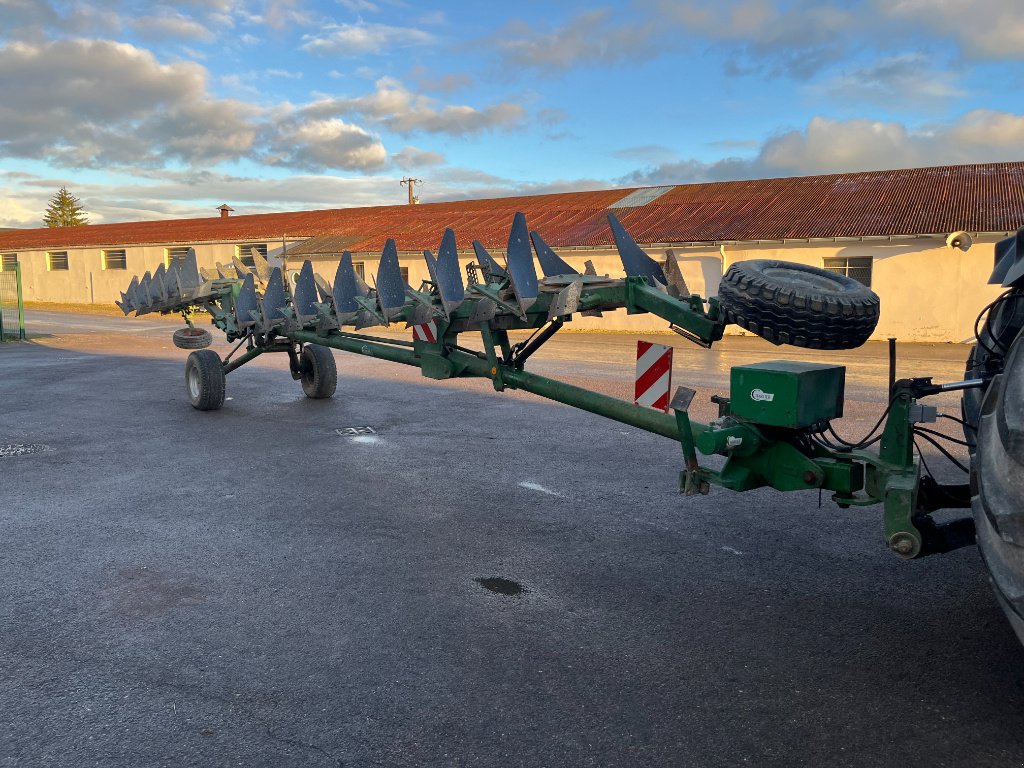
(784, 393)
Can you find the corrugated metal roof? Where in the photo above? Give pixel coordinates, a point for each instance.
(325, 244)
(975, 198)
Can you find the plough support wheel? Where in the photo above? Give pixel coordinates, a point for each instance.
(318, 371)
(204, 380)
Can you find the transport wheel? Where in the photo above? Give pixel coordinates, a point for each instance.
(204, 380)
(997, 483)
(319, 371)
(192, 338)
(797, 304)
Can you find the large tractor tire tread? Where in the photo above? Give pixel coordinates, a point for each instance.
(997, 481)
(787, 303)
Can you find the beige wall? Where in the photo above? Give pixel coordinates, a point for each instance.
(86, 281)
(929, 292)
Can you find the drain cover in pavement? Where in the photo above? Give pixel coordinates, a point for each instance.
(21, 449)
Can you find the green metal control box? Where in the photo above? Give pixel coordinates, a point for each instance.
(784, 393)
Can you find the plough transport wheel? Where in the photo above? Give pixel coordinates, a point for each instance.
(192, 338)
(204, 380)
(797, 304)
(318, 371)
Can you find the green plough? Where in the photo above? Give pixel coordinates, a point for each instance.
(774, 429)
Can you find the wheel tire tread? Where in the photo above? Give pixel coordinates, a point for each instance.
(753, 301)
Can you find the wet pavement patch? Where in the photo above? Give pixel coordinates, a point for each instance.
(21, 449)
(501, 586)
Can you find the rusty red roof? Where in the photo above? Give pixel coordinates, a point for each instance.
(974, 198)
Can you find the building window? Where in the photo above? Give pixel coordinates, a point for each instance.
(360, 269)
(115, 259)
(177, 254)
(405, 274)
(857, 268)
(57, 260)
(8, 262)
(245, 252)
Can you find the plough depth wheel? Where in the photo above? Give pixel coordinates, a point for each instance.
(204, 380)
(318, 371)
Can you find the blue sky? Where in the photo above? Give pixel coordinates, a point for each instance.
(159, 110)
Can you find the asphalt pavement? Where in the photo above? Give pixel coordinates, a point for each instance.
(481, 580)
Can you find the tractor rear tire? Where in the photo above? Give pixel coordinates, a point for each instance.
(192, 338)
(318, 371)
(997, 483)
(205, 380)
(797, 304)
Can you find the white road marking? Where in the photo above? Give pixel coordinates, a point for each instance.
(531, 486)
(365, 439)
(731, 551)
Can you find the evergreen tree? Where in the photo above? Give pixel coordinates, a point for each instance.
(64, 210)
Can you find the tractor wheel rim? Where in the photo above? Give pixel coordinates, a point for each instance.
(193, 383)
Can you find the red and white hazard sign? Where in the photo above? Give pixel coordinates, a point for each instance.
(653, 375)
(425, 332)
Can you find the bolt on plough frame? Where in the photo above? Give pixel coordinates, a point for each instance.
(771, 439)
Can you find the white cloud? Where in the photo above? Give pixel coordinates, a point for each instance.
(797, 38)
(908, 78)
(124, 108)
(402, 111)
(172, 25)
(592, 37)
(281, 14)
(359, 6)
(359, 39)
(175, 194)
(844, 146)
(988, 29)
(447, 83)
(120, 106)
(411, 158)
(330, 143)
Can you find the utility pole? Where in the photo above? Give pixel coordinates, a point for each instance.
(411, 182)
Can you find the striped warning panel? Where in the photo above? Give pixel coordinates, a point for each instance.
(425, 332)
(653, 375)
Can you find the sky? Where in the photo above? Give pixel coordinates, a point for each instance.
(166, 110)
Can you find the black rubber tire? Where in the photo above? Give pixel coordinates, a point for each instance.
(797, 304)
(970, 401)
(205, 380)
(986, 359)
(997, 482)
(318, 371)
(192, 338)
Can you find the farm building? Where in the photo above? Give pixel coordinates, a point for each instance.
(921, 238)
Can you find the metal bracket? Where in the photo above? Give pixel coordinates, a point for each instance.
(520, 353)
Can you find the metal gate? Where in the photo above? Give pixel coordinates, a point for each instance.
(12, 308)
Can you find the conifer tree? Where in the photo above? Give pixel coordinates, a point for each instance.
(64, 210)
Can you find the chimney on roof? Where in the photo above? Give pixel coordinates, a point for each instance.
(225, 210)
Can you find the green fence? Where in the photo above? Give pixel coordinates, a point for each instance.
(12, 308)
